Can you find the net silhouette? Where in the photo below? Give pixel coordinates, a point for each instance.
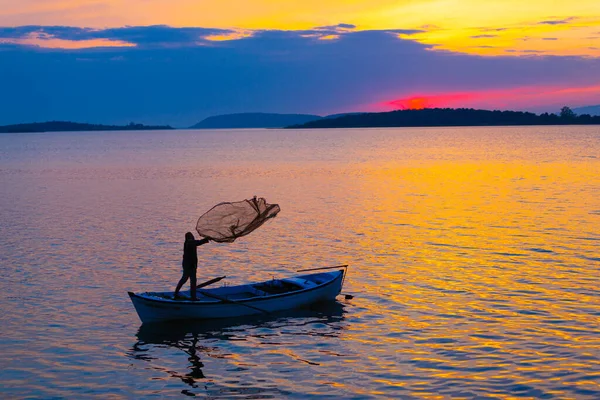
(227, 221)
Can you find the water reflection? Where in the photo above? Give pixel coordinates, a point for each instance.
(212, 340)
(473, 253)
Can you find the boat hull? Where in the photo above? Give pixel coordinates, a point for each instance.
(152, 309)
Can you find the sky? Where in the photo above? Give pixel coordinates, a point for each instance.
(178, 61)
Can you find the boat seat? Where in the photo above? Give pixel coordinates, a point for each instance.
(303, 283)
(259, 292)
(278, 287)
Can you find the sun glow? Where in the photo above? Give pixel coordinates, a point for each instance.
(431, 101)
(512, 98)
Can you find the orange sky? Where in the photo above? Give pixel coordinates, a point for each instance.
(491, 27)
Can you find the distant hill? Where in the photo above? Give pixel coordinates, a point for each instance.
(342, 115)
(62, 126)
(592, 110)
(254, 120)
(445, 117)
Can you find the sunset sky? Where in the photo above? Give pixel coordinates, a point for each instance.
(178, 61)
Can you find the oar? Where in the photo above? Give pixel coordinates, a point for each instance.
(316, 269)
(225, 300)
(210, 282)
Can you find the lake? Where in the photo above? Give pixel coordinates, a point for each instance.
(474, 260)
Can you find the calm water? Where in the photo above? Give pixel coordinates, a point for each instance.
(474, 261)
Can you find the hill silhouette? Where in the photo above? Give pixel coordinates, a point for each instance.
(450, 117)
(65, 126)
(399, 118)
(592, 110)
(253, 120)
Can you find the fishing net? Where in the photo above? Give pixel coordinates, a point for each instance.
(226, 222)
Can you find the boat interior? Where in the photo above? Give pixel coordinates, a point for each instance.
(249, 291)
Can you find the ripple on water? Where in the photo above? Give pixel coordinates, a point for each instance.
(472, 252)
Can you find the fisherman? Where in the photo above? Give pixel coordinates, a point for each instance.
(190, 263)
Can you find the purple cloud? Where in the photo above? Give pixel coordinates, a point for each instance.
(557, 21)
(170, 78)
(143, 36)
(342, 27)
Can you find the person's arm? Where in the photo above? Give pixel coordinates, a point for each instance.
(202, 241)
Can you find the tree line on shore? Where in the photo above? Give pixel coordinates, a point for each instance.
(451, 117)
(65, 126)
(399, 118)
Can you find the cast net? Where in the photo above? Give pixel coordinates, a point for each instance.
(226, 222)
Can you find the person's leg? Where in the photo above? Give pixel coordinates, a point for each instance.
(193, 285)
(182, 281)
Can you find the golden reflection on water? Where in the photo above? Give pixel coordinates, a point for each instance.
(473, 260)
(464, 249)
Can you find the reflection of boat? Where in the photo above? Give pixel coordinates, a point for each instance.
(207, 339)
(236, 301)
(174, 333)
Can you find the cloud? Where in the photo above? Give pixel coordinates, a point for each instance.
(178, 76)
(430, 27)
(557, 21)
(45, 40)
(162, 36)
(483, 36)
(140, 36)
(405, 31)
(338, 27)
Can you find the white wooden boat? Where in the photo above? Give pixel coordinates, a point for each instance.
(235, 301)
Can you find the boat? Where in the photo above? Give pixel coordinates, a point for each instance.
(242, 300)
